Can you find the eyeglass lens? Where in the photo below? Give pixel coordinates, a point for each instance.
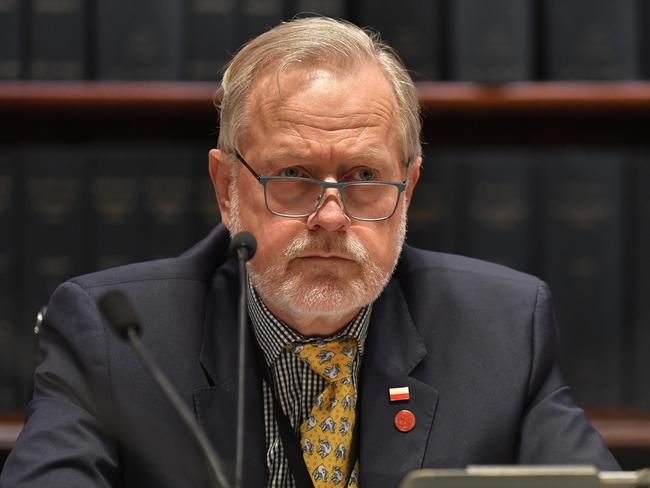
(300, 197)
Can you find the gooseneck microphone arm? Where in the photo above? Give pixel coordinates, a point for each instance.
(244, 246)
(121, 315)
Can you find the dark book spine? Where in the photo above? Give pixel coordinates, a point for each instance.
(54, 245)
(500, 207)
(583, 218)
(641, 338)
(330, 8)
(138, 40)
(209, 38)
(644, 21)
(491, 42)
(58, 40)
(12, 41)
(167, 199)
(9, 258)
(257, 16)
(114, 202)
(591, 39)
(434, 211)
(413, 31)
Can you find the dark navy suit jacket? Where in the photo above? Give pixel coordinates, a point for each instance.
(474, 342)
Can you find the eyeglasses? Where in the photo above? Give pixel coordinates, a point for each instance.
(296, 196)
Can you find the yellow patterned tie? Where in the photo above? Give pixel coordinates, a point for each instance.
(326, 436)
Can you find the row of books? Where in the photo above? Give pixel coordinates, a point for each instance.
(67, 210)
(577, 217)
(495, 41)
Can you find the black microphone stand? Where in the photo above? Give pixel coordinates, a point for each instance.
(244, 245)
(122, 317)
(184, 412)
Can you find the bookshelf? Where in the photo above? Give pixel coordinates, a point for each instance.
(10, 426)
(627, 434)
(558, 97)
(82, 96)
(622, 428)
(450, 97)
(454, 113)
(542, 113)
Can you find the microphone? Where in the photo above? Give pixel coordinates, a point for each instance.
(120, 314)
(243, 245)
(122, 317)
(243, 242)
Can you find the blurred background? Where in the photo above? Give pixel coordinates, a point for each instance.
(537, 156)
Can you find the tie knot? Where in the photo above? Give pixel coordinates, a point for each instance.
(330, 359)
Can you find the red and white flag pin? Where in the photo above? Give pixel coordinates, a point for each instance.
(399, 394)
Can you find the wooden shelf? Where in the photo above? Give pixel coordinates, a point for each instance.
(455, 113)
(10, 427)
(447, 96)
(107, 95)
(620, 429)
(537, 96)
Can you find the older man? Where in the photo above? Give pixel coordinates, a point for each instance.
(318, 156)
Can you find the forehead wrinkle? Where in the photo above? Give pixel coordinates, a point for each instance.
(280, 108)
(299, 127)
(310, 149)
(349, 138)
(350, 142)
(310, 135)
(318, 123)
(355, 129)
(348, 121)
(383, 113)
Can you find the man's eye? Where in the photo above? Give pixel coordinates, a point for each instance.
(291, 172)
(364, 174)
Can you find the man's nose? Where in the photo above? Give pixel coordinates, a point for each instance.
(330, 214)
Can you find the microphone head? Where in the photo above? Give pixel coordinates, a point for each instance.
(244, 240)
(119, 312)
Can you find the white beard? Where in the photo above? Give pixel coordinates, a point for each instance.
(310, 294)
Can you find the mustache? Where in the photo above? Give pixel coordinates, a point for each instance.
(347, 246)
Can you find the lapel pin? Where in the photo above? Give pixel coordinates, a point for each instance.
(404, 421)
(399, 394)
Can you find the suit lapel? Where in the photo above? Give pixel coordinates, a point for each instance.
(216, 405)
(393, 349)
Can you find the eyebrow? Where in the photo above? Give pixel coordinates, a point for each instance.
(372, 152)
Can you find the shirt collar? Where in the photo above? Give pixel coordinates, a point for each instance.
(273, 335)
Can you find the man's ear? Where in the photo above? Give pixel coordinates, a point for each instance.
(220, 175)
(413, 176)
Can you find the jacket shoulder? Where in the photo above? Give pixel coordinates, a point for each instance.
(196, 264)
(429, 263)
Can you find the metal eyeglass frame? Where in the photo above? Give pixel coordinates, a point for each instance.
(263, 180)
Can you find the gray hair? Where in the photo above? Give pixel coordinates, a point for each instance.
(319, 41)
